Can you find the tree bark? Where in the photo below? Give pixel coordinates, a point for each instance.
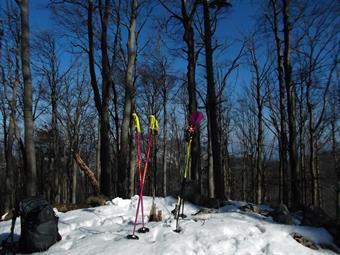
(30, 164)
(9, 134)
(211, 182)
(290, 91)
(259, 148)
(101, 102)
(74, 181)
(312, 152)
(302, 149)
(188, 37)
(165, 133)
(98, 165)
(259, 98)
(244, 177)
(105, 147)
(335, 149)
(282, 137)
(212, 105)
(129, 97)
(132, 156)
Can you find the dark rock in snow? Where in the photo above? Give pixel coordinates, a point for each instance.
(251, 208)
(94, 201)
(206, 211)
(304, 241)
(281, 215)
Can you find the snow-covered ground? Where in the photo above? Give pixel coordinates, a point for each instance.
(103, 230)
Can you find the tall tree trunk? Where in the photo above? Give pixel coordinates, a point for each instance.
(259, 98)
(282, 136)
(132, 156)
(54, 129)
(302, 149)
(187, 18)
(116, 48)
(191, 70)
(312, 155)
(165, 133)
(335, 149)
(105, 147)
(74, 181)
(105, 155)
(129, 97)
(259, 153)
(211, 182)
(212, 105)
(9, 135)
(244, 177)
(336, 163)
(102, 103)
(98, 165)
(303, 172)
(8, 145)
(290, 91)
(30, 164)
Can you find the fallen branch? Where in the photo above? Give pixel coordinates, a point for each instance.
(88, 172)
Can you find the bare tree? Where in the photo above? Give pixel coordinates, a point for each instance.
(76, 116)
(128, 101)
(47, 66)
(259, 93)
(318, 52)
(281, 128)
(10, 78)
(30, 160)
(212, 105)
(185, 15)
(86, 13)
(334, 123)
(245, 132)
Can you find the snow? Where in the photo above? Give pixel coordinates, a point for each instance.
(103, 230)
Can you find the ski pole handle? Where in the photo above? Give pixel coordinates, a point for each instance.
(153, 124)
(135, 120)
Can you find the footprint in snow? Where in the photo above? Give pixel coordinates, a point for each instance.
(261, 228)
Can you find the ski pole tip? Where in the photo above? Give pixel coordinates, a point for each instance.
(132, 237)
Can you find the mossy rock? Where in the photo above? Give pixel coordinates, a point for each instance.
(94, 201)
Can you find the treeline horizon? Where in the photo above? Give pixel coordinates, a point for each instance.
(271, 101)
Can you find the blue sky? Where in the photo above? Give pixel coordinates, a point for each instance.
(239, 19)
(238, 23)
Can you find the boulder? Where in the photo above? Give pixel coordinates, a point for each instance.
(281, 215)
(251, 208)
(304, 241)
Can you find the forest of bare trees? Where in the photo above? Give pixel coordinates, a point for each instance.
(271, 100)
